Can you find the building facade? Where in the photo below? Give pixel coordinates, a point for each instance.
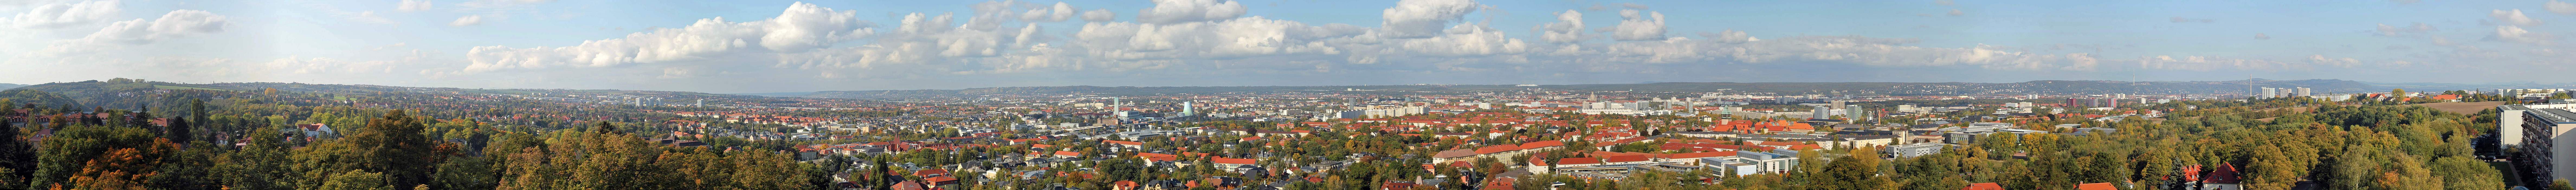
(2540, 132)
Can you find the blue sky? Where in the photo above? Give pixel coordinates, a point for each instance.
(774, 46)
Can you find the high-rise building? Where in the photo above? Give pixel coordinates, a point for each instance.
(1822, 112)
(2302, 91)
(2538, 129)
(2070, 102)
(2269, 92)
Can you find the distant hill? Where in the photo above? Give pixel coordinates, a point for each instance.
(42, 98)
(1898, 88)
(6, 86)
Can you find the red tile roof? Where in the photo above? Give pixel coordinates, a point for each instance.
(1232, 161)
(1626, 158)
(1576, 161)
(2225, 173)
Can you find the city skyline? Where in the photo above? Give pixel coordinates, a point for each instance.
(785, 46)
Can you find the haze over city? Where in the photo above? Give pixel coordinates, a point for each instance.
(782, 46)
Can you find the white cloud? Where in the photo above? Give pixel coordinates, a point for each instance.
(1465, 40)
(1568, 28)
(413, 5)
(178, 23)
(1944, 2)
(2514, 17)
(467, 20)
(801, 27)
(1634, 26)
(66, 14)
(2564, 8)
(1956, 12)
(2261, 36)
(1178, 11)
(2511, 33)
(1424, 18)
(1729, 36)
(1099, 15)
(1057, 13)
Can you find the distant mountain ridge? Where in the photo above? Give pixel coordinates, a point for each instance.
(1900, 88)
(6, 86)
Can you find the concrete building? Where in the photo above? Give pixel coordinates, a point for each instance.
(1767, 162)
(1916, 149)
(2540, 131)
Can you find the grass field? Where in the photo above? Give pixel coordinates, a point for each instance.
(2462, 107)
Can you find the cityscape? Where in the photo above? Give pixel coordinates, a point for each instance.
(1285, 95)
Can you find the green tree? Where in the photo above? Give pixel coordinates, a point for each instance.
(67, 153)
(394, 144)
(466, 172)
(356, 180)
(260, 166)
(16, 155)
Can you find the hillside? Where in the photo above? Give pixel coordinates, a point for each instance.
(1956, 88)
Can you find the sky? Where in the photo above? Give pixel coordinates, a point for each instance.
(746, 46)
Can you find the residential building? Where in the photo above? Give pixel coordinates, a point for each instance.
(2537, 129)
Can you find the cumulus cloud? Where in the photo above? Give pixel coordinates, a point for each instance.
(2418, 28)
(1568, 28)
(178, 23)
(1178, 11)
(1956, 12)
(412, 5)
(1424, 18)
(801, 27)
(2513, 17)
(1465, 40)
(66, 14)
(1944, 2)
(1099, 15)
(2511, 33)
(1634, 26)
(467, 20)
(2563, 8)
(1059, 12)
(2261, 36)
